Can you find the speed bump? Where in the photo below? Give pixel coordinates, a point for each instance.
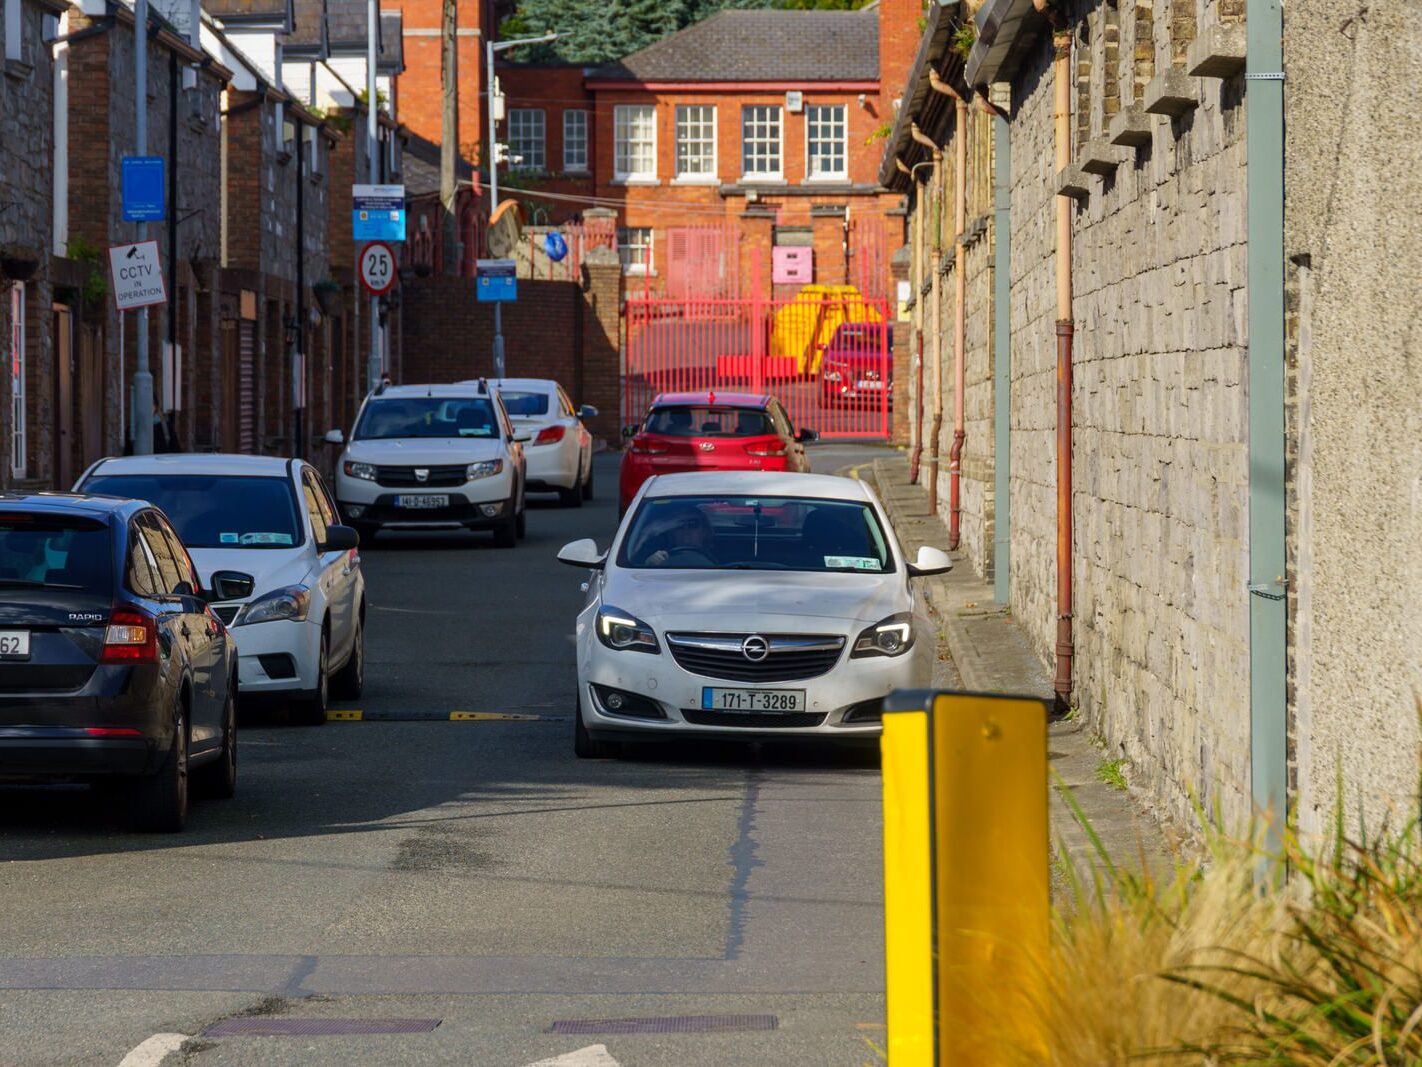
(352, 715)
(342, 716)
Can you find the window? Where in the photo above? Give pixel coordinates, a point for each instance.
(313, 510)
(526, 138)
(187, 576)
(760, 141)
(384, 420)
(824, 141)
(575, 140)
(695, 141)
(141, 573)
(166, 570)
(14, 30)
(634, 248)
(634, 141)
(214, 510)
(313, 149)
(18, 442)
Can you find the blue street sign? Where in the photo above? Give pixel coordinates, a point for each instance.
(143, 189)
(498, 280)
(378, 212)
(555, 246)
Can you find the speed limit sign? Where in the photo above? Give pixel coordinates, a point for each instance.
(377, 268)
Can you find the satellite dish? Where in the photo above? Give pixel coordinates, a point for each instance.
(505, 226)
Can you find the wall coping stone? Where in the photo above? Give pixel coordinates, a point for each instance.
(1219, 52)
(1100, 156)
(1073, 182)
(1171, 92)
(1131, 126)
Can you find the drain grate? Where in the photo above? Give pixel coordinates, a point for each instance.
(670, 1024)
(286, 1027)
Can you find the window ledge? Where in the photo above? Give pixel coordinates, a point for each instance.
(697, 179)
(827, 179)
(762, 179)
(639, 271)
(283, 158)
(18, 70)
(576, 172)
(197, 124)
(634, 181)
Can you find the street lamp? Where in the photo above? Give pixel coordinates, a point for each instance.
(494, 47)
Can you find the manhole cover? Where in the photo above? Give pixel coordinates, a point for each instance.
(285, 1027)
(671, 1024)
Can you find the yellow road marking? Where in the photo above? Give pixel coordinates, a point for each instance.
(342, 716)
(487, 716)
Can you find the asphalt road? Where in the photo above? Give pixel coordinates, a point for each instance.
(469, 873)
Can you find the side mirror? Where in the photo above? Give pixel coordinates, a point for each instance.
(339, 539)
(229, 585)
(587, 411)
(806, 437)
(630, 431)
(582, 553)
(334, 437)
(930, 561)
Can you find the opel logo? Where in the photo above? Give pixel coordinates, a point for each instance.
(422, 474)
(755, 648)
(708, 446)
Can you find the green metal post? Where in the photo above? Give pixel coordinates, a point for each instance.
(1002, 357)
(1264, 132)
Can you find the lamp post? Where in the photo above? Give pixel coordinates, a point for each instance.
(376, 363)
(493, 48)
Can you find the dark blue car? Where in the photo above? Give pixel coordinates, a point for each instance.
(112, 666)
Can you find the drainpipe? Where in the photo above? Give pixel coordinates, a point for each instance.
(916, 280)
(298, 384)
(935, 258)
(170, 367)
(1268, 617)
(1061, 683)
(960, 313)
(1002, 359)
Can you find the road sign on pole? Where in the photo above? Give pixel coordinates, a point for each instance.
(143, 189)
(378, 212)
(137, 276)
(498, 281)
(377, 268)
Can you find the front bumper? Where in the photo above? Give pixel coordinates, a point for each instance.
(461, 511)
(277, 657)
(841, 703)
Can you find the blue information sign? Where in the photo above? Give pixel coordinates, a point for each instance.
(498, 280)
(143, 189)
(378, 212)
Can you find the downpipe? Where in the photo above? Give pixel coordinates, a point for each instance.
(935, 184)
(1066, 646)
(916, 279)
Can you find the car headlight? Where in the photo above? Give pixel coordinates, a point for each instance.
(364, 471)
(289, 604)
(487, 469)
(625, 633)
(889, 637)
(834, 374)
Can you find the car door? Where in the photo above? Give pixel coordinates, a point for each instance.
(329, 567)
(208, 641)
(514, 448)
(579, 433)
(345, 600)
(185, 638)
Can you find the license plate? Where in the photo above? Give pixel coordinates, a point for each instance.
(14, 644)
(763, 700)
(422, 501)
(868, 385)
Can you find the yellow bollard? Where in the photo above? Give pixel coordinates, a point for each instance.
(966, 876)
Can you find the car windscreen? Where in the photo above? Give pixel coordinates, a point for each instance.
(524, 405)
(709, 421)
(756, 533)
(55, 551)
(427, 416)
(214, 510)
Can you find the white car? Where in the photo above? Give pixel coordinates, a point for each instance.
(264, 535)
(559, 452)
(748, 604)
(433, 457)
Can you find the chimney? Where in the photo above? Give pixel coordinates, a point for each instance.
(898, 41)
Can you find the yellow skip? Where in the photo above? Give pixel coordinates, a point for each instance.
(488, 716)
(342, 716)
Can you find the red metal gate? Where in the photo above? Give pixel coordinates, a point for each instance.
(825, 355)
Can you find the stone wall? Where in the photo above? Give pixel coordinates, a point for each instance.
(978, 470)
(1352, 241)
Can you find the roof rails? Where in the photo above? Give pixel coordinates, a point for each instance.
(380, 388)
(483, 386)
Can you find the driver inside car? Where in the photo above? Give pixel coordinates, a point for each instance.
(685, 539)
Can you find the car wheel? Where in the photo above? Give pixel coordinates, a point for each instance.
(571, 498)
(521, 522)
(349, 682)
(160, 801)
(585, 746)
(588, 483)
(506, 533)
(219, 779)
(309, 709)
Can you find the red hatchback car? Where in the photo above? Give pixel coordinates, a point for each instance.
(857, 367)
(711, 431)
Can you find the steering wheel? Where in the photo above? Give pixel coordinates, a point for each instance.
(689, 553)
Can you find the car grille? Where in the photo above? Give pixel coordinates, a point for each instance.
(227, 612)
(789, 656)
(700, 717)
(404, 477)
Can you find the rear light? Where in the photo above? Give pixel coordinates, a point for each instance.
(550, 435)
(644, 446)
(112, 731)
(132, 637)
(768, 448)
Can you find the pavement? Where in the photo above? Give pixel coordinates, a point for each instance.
(991, 654)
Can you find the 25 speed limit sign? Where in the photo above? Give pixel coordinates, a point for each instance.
(377, 268)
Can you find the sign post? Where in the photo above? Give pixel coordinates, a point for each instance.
(137, 276)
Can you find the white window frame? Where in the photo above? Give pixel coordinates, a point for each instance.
(840, 145)
(572, 118)
(756, 123)
(645, 259)
(19, 443)
(627, 155)
(703, 123)
(313, 157)
(14, 31)
(528, 137)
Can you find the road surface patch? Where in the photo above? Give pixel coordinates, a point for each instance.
(668, 1024)
(289, 1027)
(592, 1056)
(153, 1050)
